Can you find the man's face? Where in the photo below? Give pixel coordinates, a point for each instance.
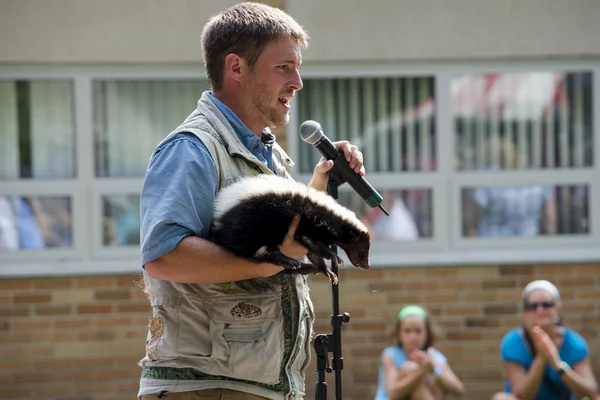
(273, 82)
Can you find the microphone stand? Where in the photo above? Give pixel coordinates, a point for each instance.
(331, 342)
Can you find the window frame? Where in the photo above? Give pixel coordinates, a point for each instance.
(88, 255)
(449, 246)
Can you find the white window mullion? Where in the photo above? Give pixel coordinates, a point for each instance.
(594, 197)
(397, 122)
(446, 208)
(83, 217)
(368, 125)
(424, 142)
(9, 139)
(382, 130)
(354, 111)
(411, 107)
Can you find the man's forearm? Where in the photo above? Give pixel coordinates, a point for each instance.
(196, 260)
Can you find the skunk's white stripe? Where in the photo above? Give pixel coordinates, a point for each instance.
(261, 185)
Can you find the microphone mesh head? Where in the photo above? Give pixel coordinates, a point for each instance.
(310, 132)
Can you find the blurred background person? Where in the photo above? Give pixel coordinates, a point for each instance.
(543, 359)
(413, 369)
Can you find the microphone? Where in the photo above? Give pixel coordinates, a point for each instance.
(311, 133)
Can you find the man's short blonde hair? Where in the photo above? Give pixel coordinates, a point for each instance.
(245, 29)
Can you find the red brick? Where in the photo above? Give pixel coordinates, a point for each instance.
(440, 272)
(96, 335)
(463, 335)
(133, 308)
(14, 284)
(496, 309)
(5, 299)
(14, 312)
(575, 281)
(440, 297)
(499, 283)
(403, 273)
(37, 324)
(94, 282)
(369, 326)
(113, 295)
(94, 309)
(52, 283)
(482, 322)
(110, 321)
(130, 281)
(405, 298)
(422, 285)
(53, 310)
(386, 286)
(72, 323)
(518, 270)
(22, 298)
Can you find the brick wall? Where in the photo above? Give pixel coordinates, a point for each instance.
(81, 337)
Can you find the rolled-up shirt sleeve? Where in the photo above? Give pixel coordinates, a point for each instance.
(177, 195)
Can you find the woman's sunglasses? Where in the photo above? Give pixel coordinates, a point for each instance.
(546, 305)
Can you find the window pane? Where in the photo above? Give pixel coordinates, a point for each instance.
(121, 221)
(523, 120)
(390, 119)
(34, 222)
(132, 117)
(410, 218)
(37, 130)
(496, 211)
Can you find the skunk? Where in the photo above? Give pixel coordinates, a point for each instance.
(251, 218)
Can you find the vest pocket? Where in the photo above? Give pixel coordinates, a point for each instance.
(247, 339)
(247, 352)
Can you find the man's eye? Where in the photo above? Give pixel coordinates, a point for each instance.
(283, 67)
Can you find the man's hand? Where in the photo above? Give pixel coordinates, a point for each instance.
(321, 172)
(290, 247)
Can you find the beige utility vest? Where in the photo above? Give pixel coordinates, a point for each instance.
(203, 336)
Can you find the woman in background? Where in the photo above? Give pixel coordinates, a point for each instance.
(543, 359)
(413, 369)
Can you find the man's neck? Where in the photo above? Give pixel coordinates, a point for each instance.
(238, 109)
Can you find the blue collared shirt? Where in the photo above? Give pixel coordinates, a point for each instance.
(179, 188)
(262, 151)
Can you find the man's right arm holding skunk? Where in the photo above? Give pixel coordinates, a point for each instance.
(176, 211)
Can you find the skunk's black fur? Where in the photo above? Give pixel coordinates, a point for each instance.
(252, 217)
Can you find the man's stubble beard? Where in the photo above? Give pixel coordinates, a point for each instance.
(271, 112)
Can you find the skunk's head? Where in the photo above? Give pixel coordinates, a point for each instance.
(358, 249)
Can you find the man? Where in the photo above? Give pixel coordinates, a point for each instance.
(207, 339)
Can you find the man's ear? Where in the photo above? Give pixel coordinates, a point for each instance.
(235, 67)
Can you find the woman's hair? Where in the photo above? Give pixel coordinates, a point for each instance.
(429, 326)
(540, 284)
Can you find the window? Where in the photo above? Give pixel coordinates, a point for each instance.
(37, 130)
(38, 168)
(526, 123)
(467, 162)
(131, 117)
(471, 160)
(35, 222)
(380, 116)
